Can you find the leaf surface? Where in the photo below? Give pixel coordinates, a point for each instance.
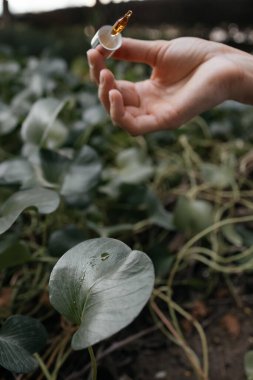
(46, 201)
(106, 285)
(20, 337)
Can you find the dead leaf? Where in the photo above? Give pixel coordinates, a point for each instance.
(231, 324)
(199, 309)
(5, 297)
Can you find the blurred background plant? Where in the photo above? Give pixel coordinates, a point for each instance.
(184, 197)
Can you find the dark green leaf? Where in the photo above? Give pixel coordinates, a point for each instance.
(192, 215)
(157, 213)
(61, 241)
(20, 337)
(54, 165)
(13, 252)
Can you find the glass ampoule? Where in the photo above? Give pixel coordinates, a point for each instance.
(109, 37)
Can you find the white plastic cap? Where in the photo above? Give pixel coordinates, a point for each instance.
(106, 40)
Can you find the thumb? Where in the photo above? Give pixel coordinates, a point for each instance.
(139, 51)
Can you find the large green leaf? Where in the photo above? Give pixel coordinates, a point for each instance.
(45, 200)
(106, 285)
(41, 120)
(20, 337)
(13, 252)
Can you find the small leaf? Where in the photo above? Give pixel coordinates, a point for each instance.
(105, 287)
(83, 174)
(192, 215)
(20, 337)
(8, 121)
(54, 165)
(40, 120)
(158, 215)
(15, 172)
(45, 200)
(94, 115)
(248, 365)
(219, 177)
(132, 167)
(13, 252)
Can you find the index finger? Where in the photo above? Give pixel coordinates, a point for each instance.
(96, 63)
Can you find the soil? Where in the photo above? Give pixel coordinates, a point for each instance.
(229, 332)
(143, 352)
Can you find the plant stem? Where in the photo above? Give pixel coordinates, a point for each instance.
(93, 363)
(43, 367)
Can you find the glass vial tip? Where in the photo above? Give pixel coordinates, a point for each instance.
(121, 24)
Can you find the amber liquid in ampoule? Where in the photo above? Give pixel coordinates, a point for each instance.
(120, 25)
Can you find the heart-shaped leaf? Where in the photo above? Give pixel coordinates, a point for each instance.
(13, 252)
(106, 285)
(45, 200)
(20, 337)
(40, 120)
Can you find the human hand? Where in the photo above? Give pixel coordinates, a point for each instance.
(189, 76)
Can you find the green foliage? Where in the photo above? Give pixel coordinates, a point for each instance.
(91, 183)
(192, 216)
(248, 365)
(13, 252)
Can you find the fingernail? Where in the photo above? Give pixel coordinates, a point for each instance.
(101, 79)
(111, 96)
(89, 60)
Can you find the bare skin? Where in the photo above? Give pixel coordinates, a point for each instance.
(189, 76)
